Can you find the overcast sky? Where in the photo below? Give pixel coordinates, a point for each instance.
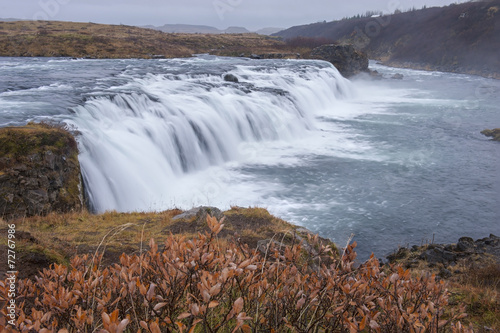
(251, 14)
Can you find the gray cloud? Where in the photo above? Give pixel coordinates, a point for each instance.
(252, 14)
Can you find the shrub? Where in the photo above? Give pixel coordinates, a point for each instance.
(200, 285)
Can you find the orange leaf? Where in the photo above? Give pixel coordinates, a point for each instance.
(144, 325)
(246, 328)
(213, 304)
(238, 305)
(105, 318)
(159, 306)
(121, 327)
(184, 315)
(362, 324)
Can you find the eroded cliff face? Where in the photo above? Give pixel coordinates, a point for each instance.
(39, 171)
(345, 58)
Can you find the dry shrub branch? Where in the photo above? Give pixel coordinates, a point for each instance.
(201, 285)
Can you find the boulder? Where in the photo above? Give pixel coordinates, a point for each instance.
(39, 171)
(494, 133)
(200, 214)
(231, 78)
(345, 58)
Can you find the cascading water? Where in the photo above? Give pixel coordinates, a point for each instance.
(140, 138)
(392, 161)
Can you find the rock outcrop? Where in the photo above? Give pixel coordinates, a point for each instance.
(450, 254)
(345, 58)
(39, 171)
(494, 133)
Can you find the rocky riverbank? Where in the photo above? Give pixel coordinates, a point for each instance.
(494, 133)
(39, 171)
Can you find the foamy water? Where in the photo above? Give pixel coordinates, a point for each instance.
(392, 161)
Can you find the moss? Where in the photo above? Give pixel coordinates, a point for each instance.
(18, 143)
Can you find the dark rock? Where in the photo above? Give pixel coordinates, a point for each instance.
(400, 254)
(345, 58)
(231, 78)
(397, 76)
(254, 56)
(465, 244)
(494, 133)
(200, 214)
(445, 273)
(438, 255)
(39, 171)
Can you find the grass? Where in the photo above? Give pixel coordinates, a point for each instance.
(70, 39)
(114, 233)
(17, 143)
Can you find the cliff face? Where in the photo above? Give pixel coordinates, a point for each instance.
(39, 171)
(462, 38)
(344, 57)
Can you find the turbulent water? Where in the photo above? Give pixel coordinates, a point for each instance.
(394, 162)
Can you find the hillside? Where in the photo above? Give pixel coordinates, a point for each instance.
(461, 38)
(70, 39)
(196, 29)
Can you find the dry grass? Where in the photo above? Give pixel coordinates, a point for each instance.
(113, 233)
(69, 39)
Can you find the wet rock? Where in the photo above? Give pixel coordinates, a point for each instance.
(438, 255)
(494, 133)
(397, 76)
(231, 78)
(345, 58)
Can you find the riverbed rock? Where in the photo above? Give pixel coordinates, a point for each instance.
(494, 133)
(39, 171)
(345, 58)
(484, 249)
(231, 78)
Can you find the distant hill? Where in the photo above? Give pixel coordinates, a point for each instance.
(9, 19)
(461, 38)
(197, 29)
(205, 29)
(268, 31)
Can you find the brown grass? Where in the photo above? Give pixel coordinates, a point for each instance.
(69, 39)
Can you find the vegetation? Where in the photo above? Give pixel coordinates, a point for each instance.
(69, 39)
(39, 170)
(18, 143)
(456, 38)
(204, 285)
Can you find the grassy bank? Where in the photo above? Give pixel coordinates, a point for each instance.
(70, 39)
(357, 298)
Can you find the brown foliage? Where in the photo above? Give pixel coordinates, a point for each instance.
(201, 285)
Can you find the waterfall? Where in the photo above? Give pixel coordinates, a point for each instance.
(140, 137)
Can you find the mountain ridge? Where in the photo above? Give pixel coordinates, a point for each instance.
(462, 38)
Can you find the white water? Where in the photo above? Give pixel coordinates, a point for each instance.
(392, 161)
(150, 144)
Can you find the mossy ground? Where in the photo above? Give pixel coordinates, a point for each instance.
(17, 144)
